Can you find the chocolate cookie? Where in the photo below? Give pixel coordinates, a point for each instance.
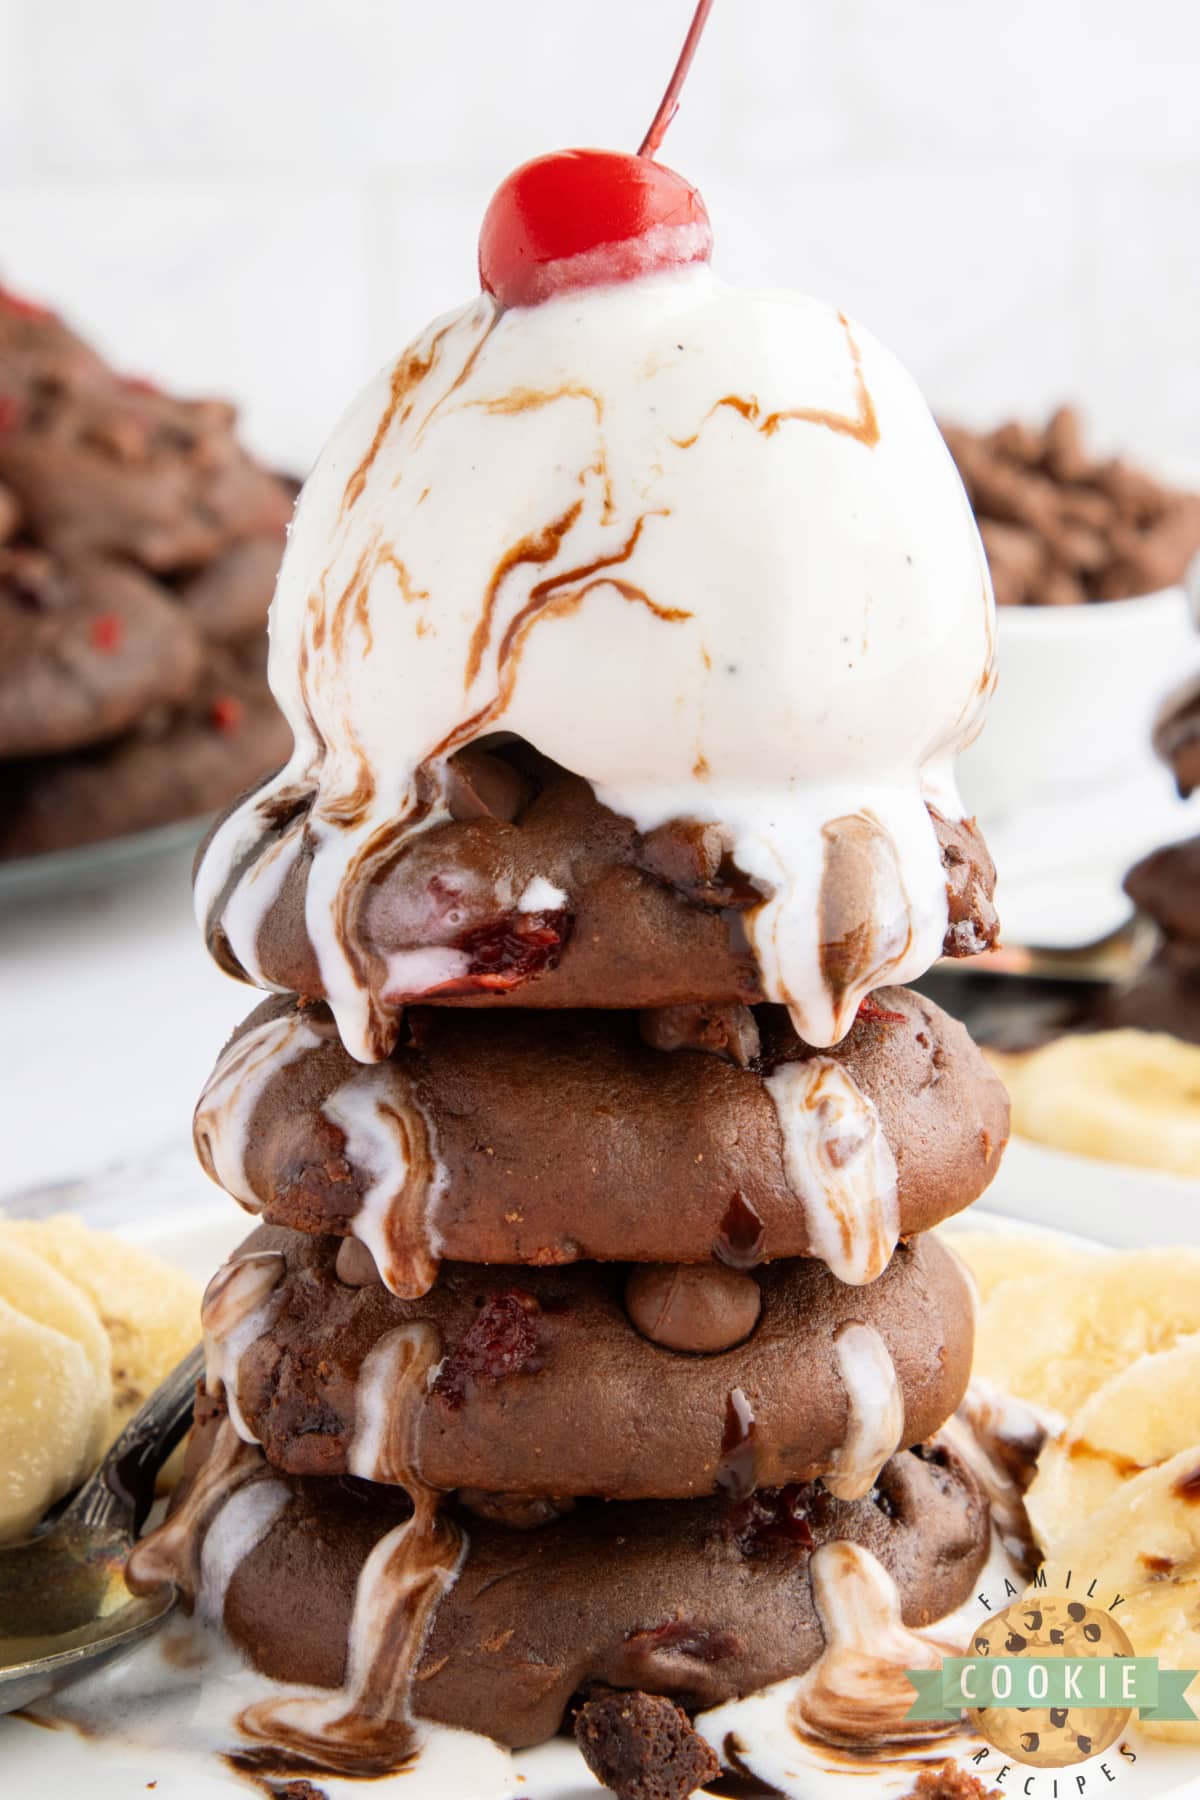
(534, 893)
(1177, 736)
(551, 1138)
(180, 763)
(701, 1600)
(1166, 885)
(87, 645)
(134, 531)
(118, 468)
(227, 601)
(536, 1382)
(37, 348)
(1164, 997)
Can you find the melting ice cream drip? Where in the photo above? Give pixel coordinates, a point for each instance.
(363, 809)
(253, 895)
(998, 1437)
(839, 1165)
(875, 1411)
(864, 917)
(238, 1307)
(397, 1372)
(227, 1106)
(395, 1144)
(367, 1728)
(246, 1517)
(856, 1693)
(171, 1553)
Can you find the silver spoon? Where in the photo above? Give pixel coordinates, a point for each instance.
(64, 1606)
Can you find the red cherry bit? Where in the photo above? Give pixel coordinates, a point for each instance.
(226, 712)
(869, 1008)
(107, 632)
(25, 309)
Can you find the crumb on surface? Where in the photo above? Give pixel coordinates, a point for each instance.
(642, 1746)
(949, 1781)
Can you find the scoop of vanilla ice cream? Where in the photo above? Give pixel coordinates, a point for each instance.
(705, 548)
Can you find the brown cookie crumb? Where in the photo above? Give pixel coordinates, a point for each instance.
(642, 1746)
(949, 1781)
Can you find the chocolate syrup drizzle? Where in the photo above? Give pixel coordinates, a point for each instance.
(862, 424)
(743, 1235)
(367, 1728)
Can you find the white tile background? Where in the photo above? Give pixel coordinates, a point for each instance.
(267, 197)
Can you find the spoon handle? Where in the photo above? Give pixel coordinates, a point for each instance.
(119, 1495)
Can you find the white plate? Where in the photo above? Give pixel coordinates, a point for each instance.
(84, 867)
(64, 1763)
(1111, 1203)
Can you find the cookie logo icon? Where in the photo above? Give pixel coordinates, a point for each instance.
(1045, 1629)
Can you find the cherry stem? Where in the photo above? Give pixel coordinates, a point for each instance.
(668, 106)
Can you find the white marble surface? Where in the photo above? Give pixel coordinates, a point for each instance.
(113, 1015)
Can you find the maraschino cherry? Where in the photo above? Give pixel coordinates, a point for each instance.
(577, 218)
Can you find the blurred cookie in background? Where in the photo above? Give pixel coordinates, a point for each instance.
(104, 464)
(179, 762)
(1165, 996)
(1165, 888)
(1177, 736)
(87, 646)
(139, 544)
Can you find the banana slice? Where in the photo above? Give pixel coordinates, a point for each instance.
(1126, 1096)
(1055, 1340)
(996, 1256)
(1144, 1543)
(55, 1388)
(150, 1311)
(1140, 1418)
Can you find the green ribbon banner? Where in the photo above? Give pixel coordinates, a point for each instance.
(1011, 1681)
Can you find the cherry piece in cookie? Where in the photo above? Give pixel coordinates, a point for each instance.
(502, 1340)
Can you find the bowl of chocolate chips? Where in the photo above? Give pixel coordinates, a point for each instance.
(1092, 559)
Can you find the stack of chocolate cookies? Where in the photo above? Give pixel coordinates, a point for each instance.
(138, 550)
(581, 1320)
